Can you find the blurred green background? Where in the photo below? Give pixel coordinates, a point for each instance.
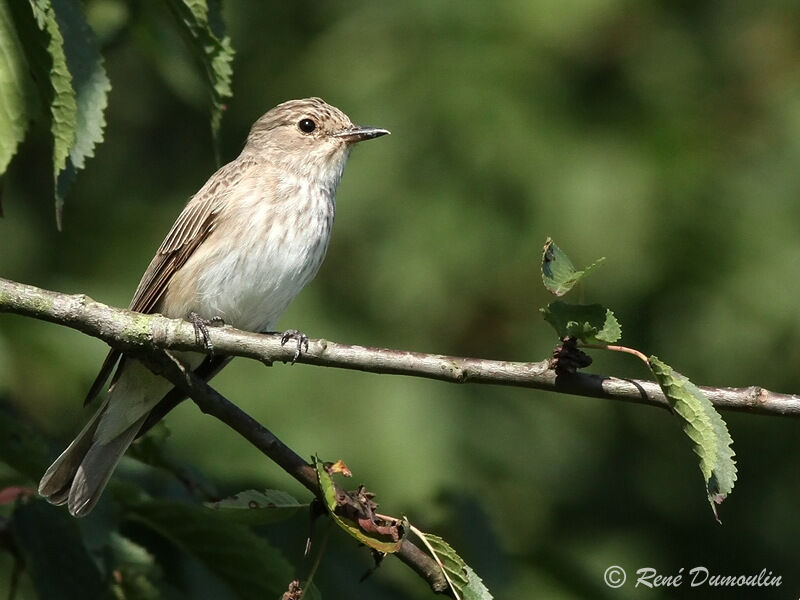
(662, 135)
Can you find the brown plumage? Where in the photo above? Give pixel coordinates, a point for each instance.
(243, 247)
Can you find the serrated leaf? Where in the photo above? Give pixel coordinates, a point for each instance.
(475, 590)
(136, 574)
(89, 78)
(34, 40)
(704, 426)
(63, 104)
(463, 580)
(202, 23)
(559, 275)
(15, 89)
(253, 507)
(589, 323)
(380, 543)
(91, 86)
(246, 562)
(59, 564)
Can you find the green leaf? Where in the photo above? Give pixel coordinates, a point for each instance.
(246, 562)
(463, 580)
(137, 576)
(63, 104)
(202, 25)
(21, 448)
(253, 507)
(16, 93)
(378, 542)
(59, 564)
(704, 426)
(91, 87)
(475, 589)
(558, 273)
(589, 323)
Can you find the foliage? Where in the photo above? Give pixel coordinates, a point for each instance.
(704, 426)
(464, 582)
(246, 562)
(595, 326)
(49, 543)
(72, 80)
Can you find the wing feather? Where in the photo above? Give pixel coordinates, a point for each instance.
(192, 226)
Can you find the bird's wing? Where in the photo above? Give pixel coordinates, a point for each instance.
(108, 365)
(194, 223)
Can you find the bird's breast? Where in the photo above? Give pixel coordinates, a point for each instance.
(258, 257)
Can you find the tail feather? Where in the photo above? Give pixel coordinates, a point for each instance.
(55, 483)
(80, 474)
(95, 470)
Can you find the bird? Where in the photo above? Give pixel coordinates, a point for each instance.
(239, 252)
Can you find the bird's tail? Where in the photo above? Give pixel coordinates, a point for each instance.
(81, 473)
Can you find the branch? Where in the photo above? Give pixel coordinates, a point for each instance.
(134, 332)
(211, 402)
(124, 330)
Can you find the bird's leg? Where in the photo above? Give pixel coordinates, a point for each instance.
(301, 339)
(201, 329)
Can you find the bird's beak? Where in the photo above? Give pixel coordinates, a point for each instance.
(356, 133)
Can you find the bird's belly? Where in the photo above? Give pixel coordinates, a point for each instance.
(249, 285)
(249, 290)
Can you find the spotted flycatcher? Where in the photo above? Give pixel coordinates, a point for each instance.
(241, 250)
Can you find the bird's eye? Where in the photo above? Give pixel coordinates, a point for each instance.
(307, 125)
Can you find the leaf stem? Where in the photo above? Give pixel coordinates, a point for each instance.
(625, 349)
(317, 558)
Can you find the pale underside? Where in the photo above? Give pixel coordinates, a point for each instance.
(247, 270)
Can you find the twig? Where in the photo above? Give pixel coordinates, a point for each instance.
(309, 579)
(213, 403)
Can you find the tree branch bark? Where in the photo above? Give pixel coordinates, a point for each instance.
(135, 332)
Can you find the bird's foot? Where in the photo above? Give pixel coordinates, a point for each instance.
(201, 329)
(301, 339)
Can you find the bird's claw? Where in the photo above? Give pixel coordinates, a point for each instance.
(300, 337)
(201, 329)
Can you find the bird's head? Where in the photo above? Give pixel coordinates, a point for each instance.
(308, 136)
